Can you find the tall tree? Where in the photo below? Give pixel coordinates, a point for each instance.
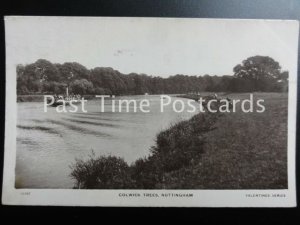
(261, 71)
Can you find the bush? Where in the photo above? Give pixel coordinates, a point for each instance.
(182, 144)
(146, 173)
(101, 173)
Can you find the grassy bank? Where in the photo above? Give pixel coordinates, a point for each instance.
(246, 151)
(209, 151)
(202, 94)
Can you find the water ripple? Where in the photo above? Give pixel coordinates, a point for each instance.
(93, 123)
(77, 128)
(39, 128)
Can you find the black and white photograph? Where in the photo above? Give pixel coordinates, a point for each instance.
(150, 111)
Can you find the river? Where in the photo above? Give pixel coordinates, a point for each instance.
(49, 142)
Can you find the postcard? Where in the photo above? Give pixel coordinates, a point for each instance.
(172, 112)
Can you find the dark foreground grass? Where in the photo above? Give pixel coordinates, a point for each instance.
(246, 151)
(209, 151)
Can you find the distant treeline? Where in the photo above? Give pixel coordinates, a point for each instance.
(257, 73)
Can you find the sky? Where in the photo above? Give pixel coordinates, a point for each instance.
(154, 46)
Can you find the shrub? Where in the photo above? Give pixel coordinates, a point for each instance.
(146, 173)
(182, 144)
(101, 173)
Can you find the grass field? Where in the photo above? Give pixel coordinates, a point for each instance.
(245, 151)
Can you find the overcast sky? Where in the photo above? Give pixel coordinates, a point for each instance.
(159, 47)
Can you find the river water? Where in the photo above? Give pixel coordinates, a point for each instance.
(49, 142)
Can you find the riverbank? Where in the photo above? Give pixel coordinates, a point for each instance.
(40, 98)
(30, 98)
(209, 151)
(190, 96)
(197, 96)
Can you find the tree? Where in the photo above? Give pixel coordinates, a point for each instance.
(257, 73)
(262, 71)
(72, 71)
(54, 87)
(81, 86)
(46, 70)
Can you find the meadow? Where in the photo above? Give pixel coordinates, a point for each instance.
(245, 151)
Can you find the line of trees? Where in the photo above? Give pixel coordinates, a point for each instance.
(257, 73)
